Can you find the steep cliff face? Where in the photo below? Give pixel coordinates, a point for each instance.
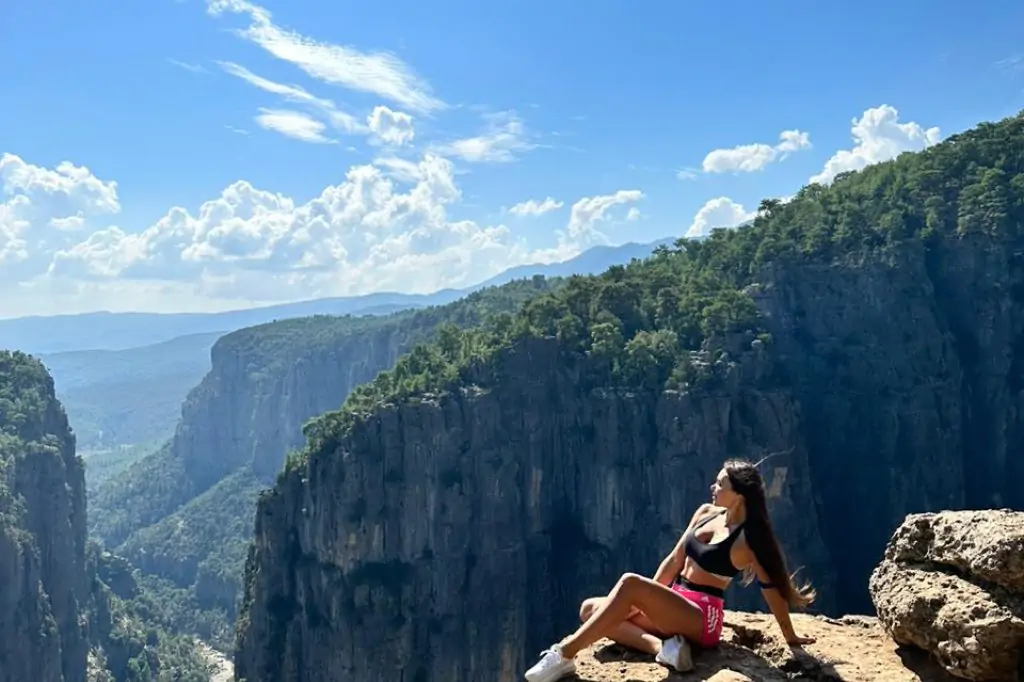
(518, 503)
(43, 581)
(248, 411)
(908, 365)
(185, 513)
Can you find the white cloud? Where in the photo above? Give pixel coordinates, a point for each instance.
(879, 136)
(1013, 64)
(589, 211)
(532, 207)
(505, 136)
(381, 73)
(41, 208)
(390, 127)
(338, 119)
(398, 169)
(633, 214)
(385, 226)
(718, 212)
(748, 158)
(194, 68)
(293, 124)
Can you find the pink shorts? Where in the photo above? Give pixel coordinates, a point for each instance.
(713, 610)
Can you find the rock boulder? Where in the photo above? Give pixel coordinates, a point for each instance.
(952, 584)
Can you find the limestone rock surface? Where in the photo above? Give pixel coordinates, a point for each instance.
(850, 649)
(951, 584)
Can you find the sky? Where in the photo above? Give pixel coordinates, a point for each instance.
(202, 155)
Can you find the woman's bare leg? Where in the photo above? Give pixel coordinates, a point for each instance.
(666, 609)
(637, 633)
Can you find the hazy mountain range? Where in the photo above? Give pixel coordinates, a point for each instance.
(123, 376)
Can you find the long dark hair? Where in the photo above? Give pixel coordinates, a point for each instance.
(746, 480)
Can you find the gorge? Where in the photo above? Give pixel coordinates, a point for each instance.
(533, 441)
(450, 518)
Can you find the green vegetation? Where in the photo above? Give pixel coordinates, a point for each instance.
(132, 397)
(203, 543)
(192, 528)
(127, 641)
(104, 464)
(267, 348)
(130, 639)
(638, 326)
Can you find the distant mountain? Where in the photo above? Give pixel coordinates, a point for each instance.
(590, 262)
(124, 397)
(120, 331)
(130, 391)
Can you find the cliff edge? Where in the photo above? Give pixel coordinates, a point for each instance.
(851, 649)
(43, 580)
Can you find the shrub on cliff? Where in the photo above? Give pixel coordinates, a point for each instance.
(638, 325)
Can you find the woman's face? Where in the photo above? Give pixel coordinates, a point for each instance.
(722, 493)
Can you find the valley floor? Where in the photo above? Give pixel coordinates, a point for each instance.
(221, 669)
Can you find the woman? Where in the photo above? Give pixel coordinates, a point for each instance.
(684, 601)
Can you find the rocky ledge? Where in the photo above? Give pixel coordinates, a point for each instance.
(849, 649)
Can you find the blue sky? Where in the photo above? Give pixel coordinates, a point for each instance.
(612, 110)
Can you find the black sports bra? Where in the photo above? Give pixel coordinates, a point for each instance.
(713, 558)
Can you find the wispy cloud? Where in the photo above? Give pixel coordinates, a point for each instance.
(1013, 64)
(339, 119)
(294, 124)
(237, 131)
(194, 68)
(380, 73)
(505, 136)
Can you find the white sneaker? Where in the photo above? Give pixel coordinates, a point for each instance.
(676, 652)
(551, 666)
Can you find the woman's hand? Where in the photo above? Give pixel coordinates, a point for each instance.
(796, 640)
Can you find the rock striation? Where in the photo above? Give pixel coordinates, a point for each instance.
(952, 584)
(185, 512)
(518, 502)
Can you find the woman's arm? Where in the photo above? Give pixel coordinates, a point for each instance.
(779, 607)
(673, 562)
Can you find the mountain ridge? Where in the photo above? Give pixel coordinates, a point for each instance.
(104, 330)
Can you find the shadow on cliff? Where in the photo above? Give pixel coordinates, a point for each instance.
(923, 665)
(740, 657)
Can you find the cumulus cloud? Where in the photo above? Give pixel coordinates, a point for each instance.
(41, 208)
(878, 136)
(378, 73)
(718, 212)
(589, 211)
(384, 226)
(390, 127)
(748, 158)
(532, 207)
(505, 136)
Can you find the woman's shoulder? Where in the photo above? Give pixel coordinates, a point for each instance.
(705, 511)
